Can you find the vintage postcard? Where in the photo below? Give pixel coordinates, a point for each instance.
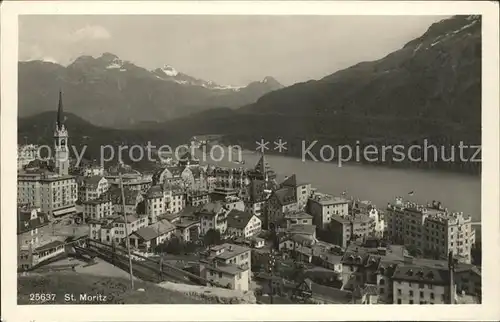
(299, 159)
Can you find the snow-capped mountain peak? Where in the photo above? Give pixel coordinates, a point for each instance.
(169, 70)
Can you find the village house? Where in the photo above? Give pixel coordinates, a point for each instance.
(295, 218)
(227, 275)
(147, 238)
(242, 224)
(322, 207)
(230, 254)
(97, 209)
(92, 188)
(188, 228)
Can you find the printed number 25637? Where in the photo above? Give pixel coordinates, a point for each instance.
(42, 297)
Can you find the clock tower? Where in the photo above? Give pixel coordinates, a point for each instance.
(61, 151)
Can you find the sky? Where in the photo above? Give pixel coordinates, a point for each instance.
(229, 50)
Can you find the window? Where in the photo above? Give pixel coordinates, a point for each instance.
(399, 301)
(411, 301)
(399, 291)
(421, 285)
(421, 294)
(411, 293)
(382, 282)
(382, 291)
(432, 296)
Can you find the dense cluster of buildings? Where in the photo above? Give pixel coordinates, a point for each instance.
(187, 200)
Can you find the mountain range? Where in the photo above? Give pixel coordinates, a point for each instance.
(430, 89)
(108, 91)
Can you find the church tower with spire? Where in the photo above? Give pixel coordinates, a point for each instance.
(61, 151)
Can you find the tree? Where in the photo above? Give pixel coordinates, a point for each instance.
(414, 251)
(173, 246)
(212, 237)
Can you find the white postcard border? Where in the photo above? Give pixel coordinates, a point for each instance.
(490, 309)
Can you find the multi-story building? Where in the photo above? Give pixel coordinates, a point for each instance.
(93, 170)
(255, 197)
(295, 218)
(194, 178)
(243, 224)
(232, 202)
(130, 179)
(279, 203)
(132, 200)
(54, 194)
(26, 154)
(112, 230)
(402, 279)
(32, 247)
(175, 198)
(97, 209)
(147, 238)
(432, 229)
(213, 216)
(154, 203)
(302, 190)
(168, 175)
(341, 229)
(197, 198)
(366, 207)
(235, 261)
(234, 178)
(322, 207)
(226, 275)
(92, 187)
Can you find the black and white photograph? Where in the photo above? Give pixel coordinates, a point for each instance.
(291, 159)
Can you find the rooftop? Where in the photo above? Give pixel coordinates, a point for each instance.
(325, 199)
(238, 219)
(229, 250)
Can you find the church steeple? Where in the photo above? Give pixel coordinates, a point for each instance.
(60, 119)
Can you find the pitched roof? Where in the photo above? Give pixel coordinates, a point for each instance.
(115, 195)
(262, 166)
(155, 191)
(238, 219)
(92, 181)
(211, 208)
(302, 229)
(157, 229)
(413, 273)
(256, 190)
(25, 223)
(290, 181)
(329, 293)
(285, 196)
